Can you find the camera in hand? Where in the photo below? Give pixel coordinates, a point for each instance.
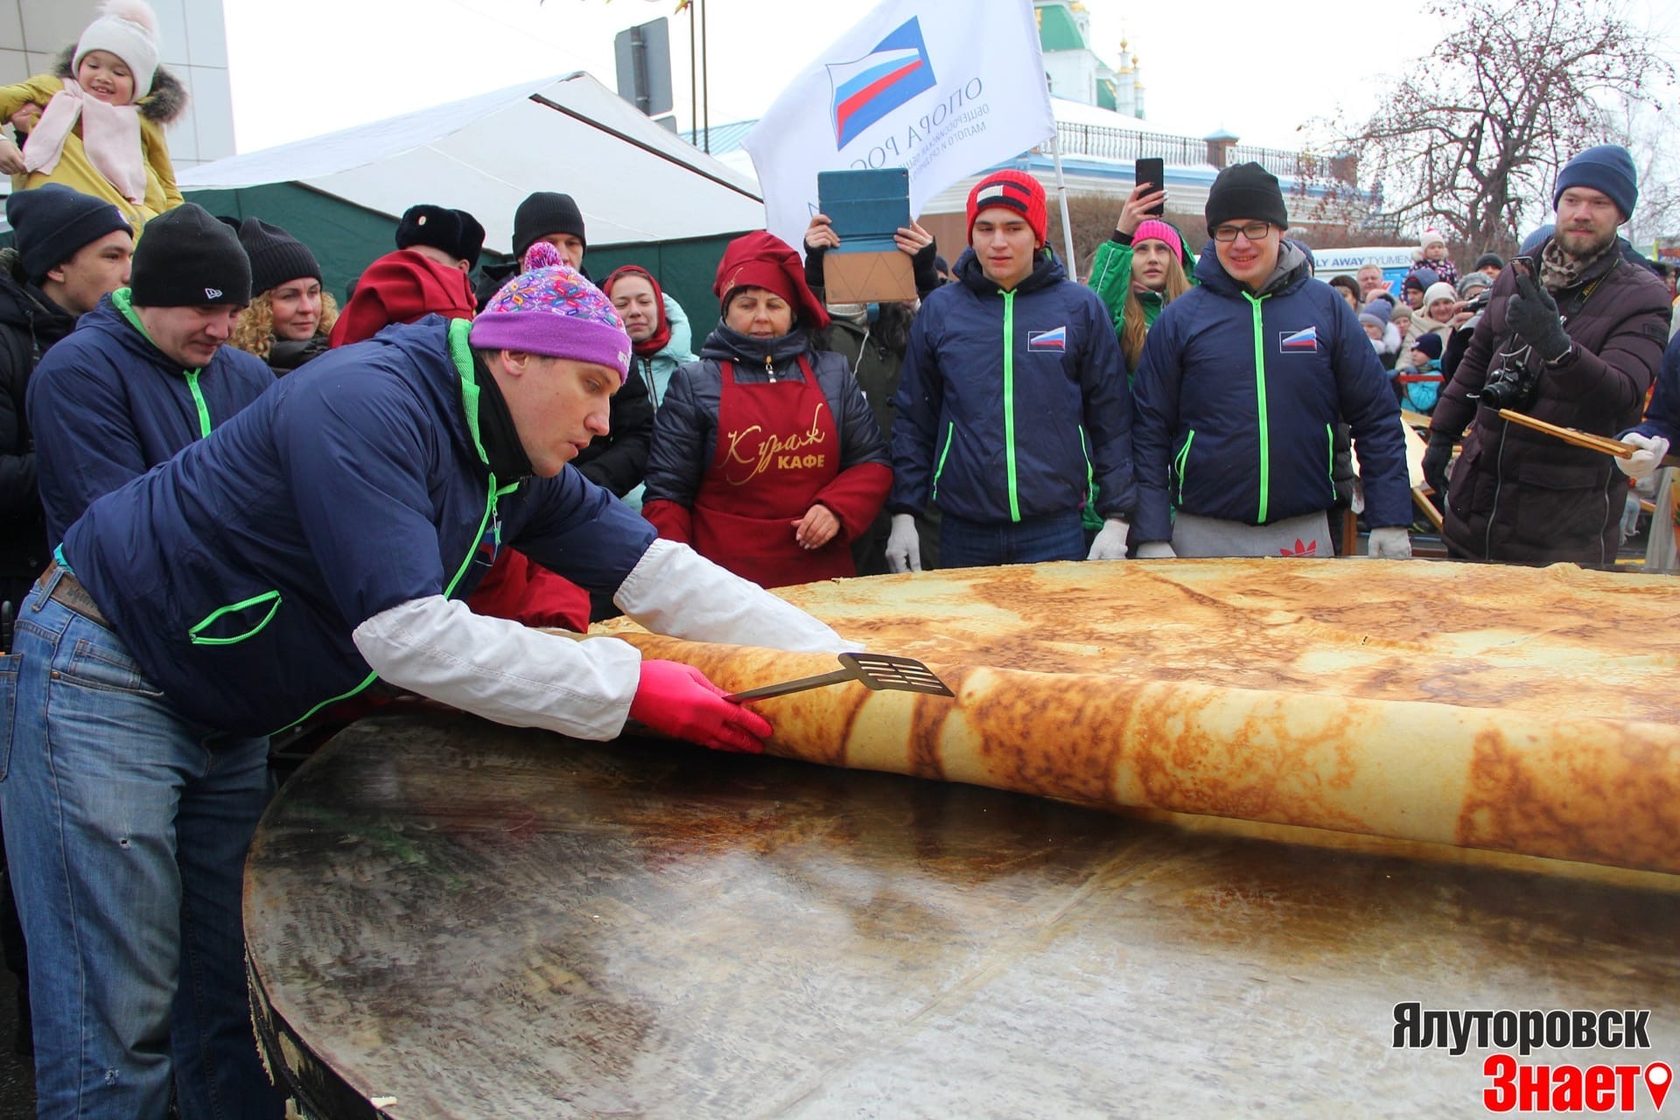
(1514, 381)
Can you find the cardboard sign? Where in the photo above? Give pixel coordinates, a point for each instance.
(866, 208)
(868, 277)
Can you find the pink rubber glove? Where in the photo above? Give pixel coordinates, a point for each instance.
(679, 701)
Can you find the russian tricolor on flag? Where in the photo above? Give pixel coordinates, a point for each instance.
(868, 88)
(1047, 340)
(1298, 340)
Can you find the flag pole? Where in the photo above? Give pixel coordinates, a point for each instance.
(1069, 263)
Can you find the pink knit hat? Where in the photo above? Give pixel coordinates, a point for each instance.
(550, 309)
(1153, 229)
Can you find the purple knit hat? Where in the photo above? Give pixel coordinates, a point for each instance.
(550, 309)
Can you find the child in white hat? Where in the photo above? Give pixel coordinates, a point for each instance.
(1432, 253)
(103, 115)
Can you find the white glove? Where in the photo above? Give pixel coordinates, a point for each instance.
(1156, 550)
(904, 545)
(674, 590)
(1391, 542)
(1111, 541)
(1644, 462)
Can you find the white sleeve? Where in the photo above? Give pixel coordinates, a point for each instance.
(674, 590)
(502, 670)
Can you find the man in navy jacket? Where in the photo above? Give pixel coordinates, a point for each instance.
(1012, 400)
(146, 372)
(1242, 383)
(319, 541)
(1661, 426)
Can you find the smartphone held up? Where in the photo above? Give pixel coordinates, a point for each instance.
(1151, 174)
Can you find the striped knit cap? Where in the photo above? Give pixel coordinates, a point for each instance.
(551, 309)
(1015, 190)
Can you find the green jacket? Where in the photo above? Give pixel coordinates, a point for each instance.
(1111, 279)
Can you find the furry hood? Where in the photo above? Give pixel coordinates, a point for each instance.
(164, 105)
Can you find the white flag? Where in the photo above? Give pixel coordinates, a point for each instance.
(940, 88)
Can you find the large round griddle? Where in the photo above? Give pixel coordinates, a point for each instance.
(448, 918)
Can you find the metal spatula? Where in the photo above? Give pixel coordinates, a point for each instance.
(874, 670)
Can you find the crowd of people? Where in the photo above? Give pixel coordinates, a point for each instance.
(231, 506)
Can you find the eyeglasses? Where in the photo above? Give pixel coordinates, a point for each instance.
(1254, 231)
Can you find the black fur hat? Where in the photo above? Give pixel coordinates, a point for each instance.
(456, 232)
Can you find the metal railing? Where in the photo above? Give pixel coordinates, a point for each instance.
(1101, 142)
(1123, 144)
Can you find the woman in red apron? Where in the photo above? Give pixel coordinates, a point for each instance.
(766, 458)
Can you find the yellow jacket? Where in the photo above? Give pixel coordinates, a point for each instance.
(74, 168)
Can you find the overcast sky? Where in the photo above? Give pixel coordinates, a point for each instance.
(303, 67)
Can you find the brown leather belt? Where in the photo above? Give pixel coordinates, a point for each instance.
(69, 591)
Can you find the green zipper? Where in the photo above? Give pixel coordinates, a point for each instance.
(939, 469)
(1260, 395)
(198, 399)
(1090, 469)
(461, 352)
(1183, 463)
(1009, 400)
(1330, 442)
(123, 300)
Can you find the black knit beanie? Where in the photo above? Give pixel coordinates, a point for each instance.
(52, 222)
(543, 213)
(456, 232)
(186, 258)
(276, 256)
(1246, 190)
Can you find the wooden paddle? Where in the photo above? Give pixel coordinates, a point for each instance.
(1603, 444)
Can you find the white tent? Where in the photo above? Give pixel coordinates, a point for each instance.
(634, 181)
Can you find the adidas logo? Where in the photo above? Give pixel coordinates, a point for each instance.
(212, 293)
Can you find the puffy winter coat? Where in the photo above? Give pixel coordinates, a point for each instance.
(402, 287)
(1111, 278)
(1238, 397)
(106, 405)
(1662, 415)
(1011, 403)
(30, 323)
(158, 109)
(237, 574)
(656, 372)
(1522, 496)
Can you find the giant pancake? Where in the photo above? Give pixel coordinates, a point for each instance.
(1534, 711)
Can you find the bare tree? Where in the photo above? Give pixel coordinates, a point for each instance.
(1471, 142)
(1646, 134)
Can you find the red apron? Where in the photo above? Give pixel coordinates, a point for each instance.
(777, 447)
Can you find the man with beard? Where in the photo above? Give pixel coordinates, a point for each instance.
(1573, 336)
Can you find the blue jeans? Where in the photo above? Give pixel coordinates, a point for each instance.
(126, 828)
(976, 544)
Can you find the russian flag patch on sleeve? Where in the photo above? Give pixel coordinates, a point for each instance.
(1304, 340)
